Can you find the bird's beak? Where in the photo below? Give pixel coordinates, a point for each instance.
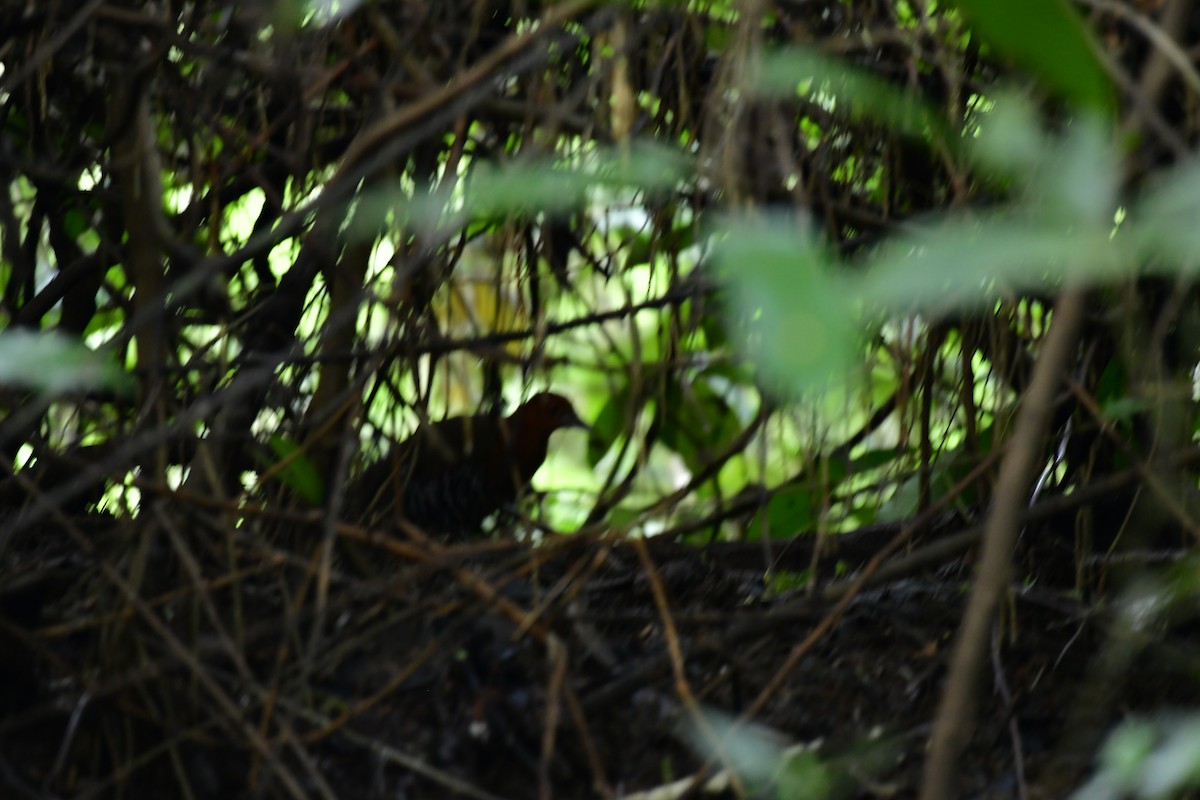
(573, 421)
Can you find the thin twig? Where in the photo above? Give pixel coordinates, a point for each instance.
(957, 705)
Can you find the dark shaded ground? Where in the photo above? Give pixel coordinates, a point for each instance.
(250, 665)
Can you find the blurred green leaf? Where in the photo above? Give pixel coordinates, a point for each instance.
(755, 752)
(1126, 750)
(962, 263)
(607, 426)
(874, 459)
(492, 190)
(1156, 758)
(788, 512)
(771, 766)
(1080, 181)
(805, 72)
(74, 223)
(714, 322)
(1113, 383)
(1175, 764)
(298, 474)
(697, 425)
(787, 581)
(1123, 409)
(1071, 178)
(948, 470)
(801, 313)
(717, 37)
(639, 245)
(806, 777)
(322, 12)
(621, 517)
(796, 317)
(52, 363)
(1047, 38)
(1165, 218)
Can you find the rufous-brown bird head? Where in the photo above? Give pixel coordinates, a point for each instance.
(530, 426)
(548, 412)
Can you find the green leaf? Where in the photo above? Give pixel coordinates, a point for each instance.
(52, 363)
(698, 425)
(1071, 178)
(1113, 383)
(959, 263)
(638, 247)
(794, 315)
(835, 83)
(1165, 217)
(714, 322)
(806, 777)
(1124, 754)
(788, 512)
(1174, 766)
(298, 474)
(491, 191)
(874, 459)
(946, 472)
(621, 517)
(770, 766)
(74, 223)
(1123, 409)
(607, 426)
(1047, 38)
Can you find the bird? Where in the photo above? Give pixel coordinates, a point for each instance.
(450, 476)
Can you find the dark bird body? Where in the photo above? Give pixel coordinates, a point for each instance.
(449, 476)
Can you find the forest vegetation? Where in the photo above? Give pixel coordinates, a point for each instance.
(881, 316)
